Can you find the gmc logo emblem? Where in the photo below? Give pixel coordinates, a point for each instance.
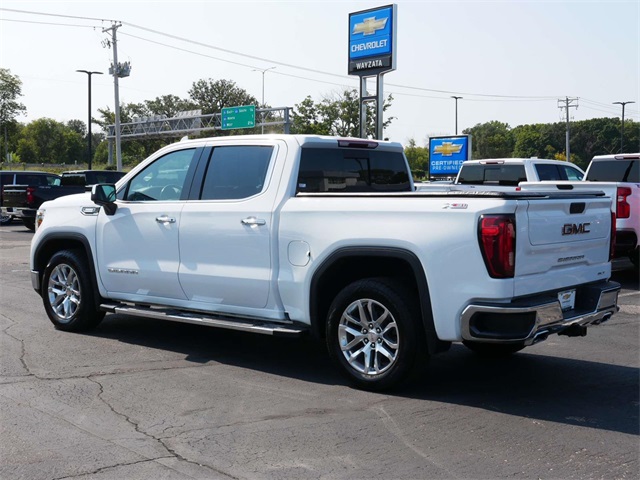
(573, 229)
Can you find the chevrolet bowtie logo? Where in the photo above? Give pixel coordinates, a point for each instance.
(448, 148)
(370, 25)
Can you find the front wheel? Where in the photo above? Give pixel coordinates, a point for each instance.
(68, 294)
(372, 333)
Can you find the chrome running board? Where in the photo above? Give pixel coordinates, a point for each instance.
(264, 327)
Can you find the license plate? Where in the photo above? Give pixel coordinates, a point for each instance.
(567, 299)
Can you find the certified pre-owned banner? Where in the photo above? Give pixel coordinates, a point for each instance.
(446, 154)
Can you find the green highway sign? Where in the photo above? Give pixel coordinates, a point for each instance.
(238, 117)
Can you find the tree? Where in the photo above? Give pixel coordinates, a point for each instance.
(169, 105)
(10, 107)
(337, 114)
(212, 96)
(418, 158)
(306, 118)
(47, 141)
(491, 140)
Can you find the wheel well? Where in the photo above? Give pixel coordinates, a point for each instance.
(347, 266)
(51, 246)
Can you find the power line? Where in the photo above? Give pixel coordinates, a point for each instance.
(284, 64)
(28, 12)
(46, 23)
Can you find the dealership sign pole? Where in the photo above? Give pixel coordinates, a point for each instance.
(372, 53)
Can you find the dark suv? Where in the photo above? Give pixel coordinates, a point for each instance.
(23, 177)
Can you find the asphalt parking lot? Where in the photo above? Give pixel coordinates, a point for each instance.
(142, 399)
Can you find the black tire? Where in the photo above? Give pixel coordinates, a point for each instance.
(30, 223)
(68, 294)
(383, 356)
(635, 258)
(494, 350)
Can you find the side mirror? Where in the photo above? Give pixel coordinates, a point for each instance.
(104, 194)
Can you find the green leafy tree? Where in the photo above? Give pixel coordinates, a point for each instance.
(10, 107)
(336, 114)
(418, 158)
(491, 140)
(169, 105)
(48, 141)
(212, 96)
(306, 118)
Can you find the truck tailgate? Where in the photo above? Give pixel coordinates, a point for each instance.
(567, 235)
(14, 196)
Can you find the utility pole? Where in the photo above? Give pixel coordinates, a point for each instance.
(114, 70)
(89, 73)
(265, 70)
(456, 99)
(568, 103)
(622, 127)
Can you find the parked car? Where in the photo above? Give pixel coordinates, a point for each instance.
(14, 177)
(23, 200)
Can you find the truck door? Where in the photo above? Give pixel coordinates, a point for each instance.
(226, 233)
(137, 247)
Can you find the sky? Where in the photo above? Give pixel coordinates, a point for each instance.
(511, 61)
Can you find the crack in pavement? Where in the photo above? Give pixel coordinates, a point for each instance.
(22, 347)
(106, 374)
(161, 441)
(109, 467)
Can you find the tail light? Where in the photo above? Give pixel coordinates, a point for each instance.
(612, 237)
(30, 198)
(497, 235)
(623, 209)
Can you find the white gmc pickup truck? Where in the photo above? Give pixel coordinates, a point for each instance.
(287, 234)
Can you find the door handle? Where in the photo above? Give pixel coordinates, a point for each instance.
(165, 219)
(251, 221)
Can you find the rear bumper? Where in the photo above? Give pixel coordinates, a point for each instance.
(19, 212)
(532, 319)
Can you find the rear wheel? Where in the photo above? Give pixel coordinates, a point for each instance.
(372, 333)
(635, 257)
(68, 294)
(30, 223)
(494, 350)
(5, 219)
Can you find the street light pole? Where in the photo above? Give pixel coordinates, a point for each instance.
(89, 73)
(456, 99)
(622, 128)
(263, 71)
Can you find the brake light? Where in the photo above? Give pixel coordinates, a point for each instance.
(30, 197)
(357, 144)
(612, 237)
(497, 236)
(623, 209)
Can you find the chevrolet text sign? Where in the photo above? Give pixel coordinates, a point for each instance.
(446, 154)
(372, 40)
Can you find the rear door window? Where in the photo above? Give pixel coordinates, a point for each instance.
(236, 172)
